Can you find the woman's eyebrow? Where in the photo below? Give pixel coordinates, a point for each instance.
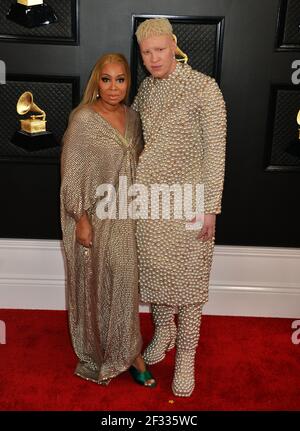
(117, 76)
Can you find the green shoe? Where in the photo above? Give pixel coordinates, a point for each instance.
(141, 377)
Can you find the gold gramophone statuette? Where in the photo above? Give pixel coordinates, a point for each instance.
(30, 2)
(35, 123)
(182, 55)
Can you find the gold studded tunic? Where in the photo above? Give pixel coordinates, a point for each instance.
(102, 282)
(184, 125)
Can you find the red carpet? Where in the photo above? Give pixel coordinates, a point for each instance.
(242, 364)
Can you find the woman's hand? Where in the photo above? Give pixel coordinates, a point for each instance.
(84, 232)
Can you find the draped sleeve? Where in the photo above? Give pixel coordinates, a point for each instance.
(85, 164)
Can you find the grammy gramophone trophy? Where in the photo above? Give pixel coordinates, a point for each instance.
(33, 135)
(294, 148)
(31, 13)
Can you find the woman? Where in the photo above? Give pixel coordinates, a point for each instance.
(102, 143)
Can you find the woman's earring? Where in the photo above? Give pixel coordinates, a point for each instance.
(98, 96)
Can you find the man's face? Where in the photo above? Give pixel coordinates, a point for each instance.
(158, 53)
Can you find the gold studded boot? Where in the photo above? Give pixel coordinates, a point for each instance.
(164, 334)
(189, 320)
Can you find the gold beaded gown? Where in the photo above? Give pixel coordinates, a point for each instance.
(184, 126)
(102, 282)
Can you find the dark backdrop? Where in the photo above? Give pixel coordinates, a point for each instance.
(260, 207)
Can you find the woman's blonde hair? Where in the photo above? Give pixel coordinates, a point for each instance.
(91, 92)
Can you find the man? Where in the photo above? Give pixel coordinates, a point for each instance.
(184, 123)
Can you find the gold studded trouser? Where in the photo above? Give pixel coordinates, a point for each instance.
(164, 335)
(162, 315)
(189, 321)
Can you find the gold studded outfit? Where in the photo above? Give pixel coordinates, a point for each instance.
(184, 125)
(102, 281)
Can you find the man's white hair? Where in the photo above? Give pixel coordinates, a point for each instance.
(153, 27)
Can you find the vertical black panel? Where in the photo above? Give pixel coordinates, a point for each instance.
(56, 95)
(64, 31)
(283, 140)
(288, 29)
(201, 37)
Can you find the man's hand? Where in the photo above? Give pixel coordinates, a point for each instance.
(84, 233)
(208, 229)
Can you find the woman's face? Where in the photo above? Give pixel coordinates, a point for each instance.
(113, 83)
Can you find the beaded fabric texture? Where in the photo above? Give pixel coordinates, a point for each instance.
(189, 322)
(164, 336)
(184, 125)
